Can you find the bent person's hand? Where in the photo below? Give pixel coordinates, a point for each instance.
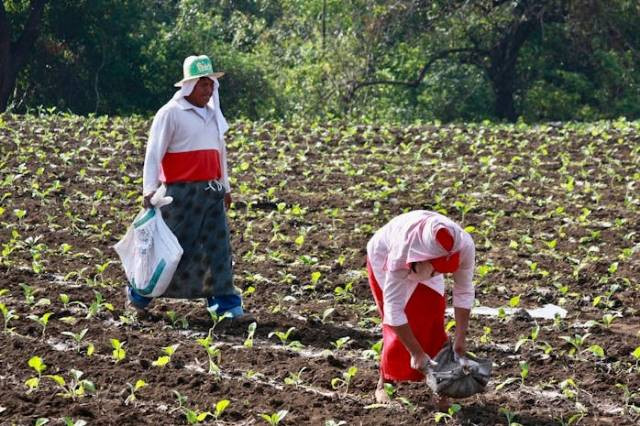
(422, 362)
(459, 346)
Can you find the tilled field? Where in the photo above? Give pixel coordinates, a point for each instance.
(554, 211)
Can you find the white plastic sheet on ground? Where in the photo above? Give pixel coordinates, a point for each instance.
(548, 311)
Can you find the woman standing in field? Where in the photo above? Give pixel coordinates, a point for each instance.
(186, 152)
(406, 260)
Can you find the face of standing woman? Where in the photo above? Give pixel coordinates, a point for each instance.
(201, 92)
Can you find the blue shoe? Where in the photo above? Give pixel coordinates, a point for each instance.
(227, 304)
(137, 302)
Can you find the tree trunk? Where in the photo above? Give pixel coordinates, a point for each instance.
(504, 106)
(501, 69)
(14, 55)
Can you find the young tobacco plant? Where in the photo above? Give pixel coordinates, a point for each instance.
(77, 337)
(345, 380)
(132, 391)
(274, 418)
(43, 320)
(76, 387)
(213, 354)
(451, 411)
(118, 353)
(193, 416)
(165, 359)
(39, 366)
(341, 343)
(8, 315)
(177, 321)
(98, 305)
(283, 336)
(251, 331)
(216, 319)
(294, 379)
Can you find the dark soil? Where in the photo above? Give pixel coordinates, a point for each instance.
(555, 211)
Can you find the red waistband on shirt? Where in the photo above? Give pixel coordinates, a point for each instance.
(191, 166)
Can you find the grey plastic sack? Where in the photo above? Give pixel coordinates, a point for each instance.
(458, 377)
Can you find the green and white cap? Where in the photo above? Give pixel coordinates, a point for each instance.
(196, 67)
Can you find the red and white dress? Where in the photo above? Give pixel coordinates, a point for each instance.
(186, 143)
(403, 296)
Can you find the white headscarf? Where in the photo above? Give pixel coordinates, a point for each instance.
(214, 102)
(420, 242)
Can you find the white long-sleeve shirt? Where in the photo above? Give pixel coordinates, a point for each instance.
(398, 285)
(184, 145)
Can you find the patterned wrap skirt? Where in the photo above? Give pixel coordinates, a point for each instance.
(425, 315)
(197, 218)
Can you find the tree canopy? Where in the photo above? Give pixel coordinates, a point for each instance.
(394, 60)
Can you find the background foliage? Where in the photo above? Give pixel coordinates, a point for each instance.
(376, 60)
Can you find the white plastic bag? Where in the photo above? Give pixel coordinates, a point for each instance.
(149, 251)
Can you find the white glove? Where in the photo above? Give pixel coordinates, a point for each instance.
(158, 200)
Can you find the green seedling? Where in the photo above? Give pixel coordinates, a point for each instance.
(251, 331)
(43, 320)
(8, 315)
(166, 359)
(533, 336)
(576, 342)
(628, 397)
(118, 353)
(177, 321)
(98, 305)
(514, 302)
(216, 319)
(607, 320)
(341, 343)
(39, 366)
(345, 380)
(192, 416)
(506, 382)
(486, 335)
(75, 388)
(64, 298)
(294, 379)
(274, 418)
(345, 293)
(510, 416)
(284, 338)
(220, 407)
(213, 354)
(439, 416)
(132, 391)
(68, 421)
(28, 293)
(524, 371)
(597, 350)
(569, 388)
(326, 314)
(375, 351)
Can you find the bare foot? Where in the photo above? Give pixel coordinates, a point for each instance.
(443, 403)
(382, 397)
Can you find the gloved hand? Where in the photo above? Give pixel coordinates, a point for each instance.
(156, 198)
